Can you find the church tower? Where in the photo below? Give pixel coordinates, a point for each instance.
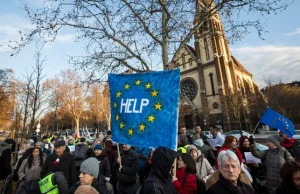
(210, 71)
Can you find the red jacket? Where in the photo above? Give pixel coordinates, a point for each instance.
(190, 186)
(237, 151)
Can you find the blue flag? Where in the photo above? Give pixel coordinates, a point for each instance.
(144, 108)
(276, 120)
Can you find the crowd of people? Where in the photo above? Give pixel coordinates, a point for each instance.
(219, 164)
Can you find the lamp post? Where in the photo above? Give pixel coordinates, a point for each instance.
(204, 125)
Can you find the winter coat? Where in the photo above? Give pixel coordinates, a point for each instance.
(287, 189)
(203, 167)
(235, 150)
(206, 151)
(30, 173)
(66, 165)
(187, 187)
(5, 160)
(82, 149)
(19, 163)
(161, 183)
(225, 187)
(216, 175)
(127, 176)
(273, 160)
(104, 168)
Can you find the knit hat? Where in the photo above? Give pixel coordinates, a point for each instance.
(98, 147)
(198, 142)
(59, 142)
(44, 137)
(40, 144)
(192, 147)
(276, 139)
(90, 166)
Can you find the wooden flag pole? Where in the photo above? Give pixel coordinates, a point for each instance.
(119, 155)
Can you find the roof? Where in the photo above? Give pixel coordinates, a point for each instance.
(238, 65)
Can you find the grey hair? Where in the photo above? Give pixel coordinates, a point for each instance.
(227, 155)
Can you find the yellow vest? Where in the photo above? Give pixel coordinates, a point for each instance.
(183, 149)
(46, 185)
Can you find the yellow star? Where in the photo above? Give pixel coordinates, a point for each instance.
(130, 132)
(154, 93)
(151, 118)
(142, 127)
(148, 85)
(121, 125)
(119, 94)
(115, 105)
(127, 86)
(158, 106)
(117, 117)
(138, 82)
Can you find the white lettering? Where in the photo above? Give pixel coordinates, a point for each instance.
(123, 104)
(132, 103)
(129, 104)
(134, 106)
(144, 102)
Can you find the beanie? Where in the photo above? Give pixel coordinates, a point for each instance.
(276, 139)
(98, 147)
(198, 142)
(90, 166)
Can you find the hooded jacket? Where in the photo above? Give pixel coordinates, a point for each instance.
(203, 167)
(162, 161)
(5, 159)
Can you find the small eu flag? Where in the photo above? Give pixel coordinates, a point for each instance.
(276, 120)
(144, 108)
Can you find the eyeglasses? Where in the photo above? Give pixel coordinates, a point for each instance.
(227, 166)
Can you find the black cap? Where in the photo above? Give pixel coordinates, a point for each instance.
(82, 139)
(59, 143)
(45, 137)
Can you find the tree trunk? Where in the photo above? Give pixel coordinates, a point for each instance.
(77, 126)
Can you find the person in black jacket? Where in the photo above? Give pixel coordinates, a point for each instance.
(230, 169)
(159, 180)
(5, 160)
(127, 168)
(104, 168)
(60, 161)
(89, 171)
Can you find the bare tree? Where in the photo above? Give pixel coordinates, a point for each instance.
(132, 34)
(37, 91)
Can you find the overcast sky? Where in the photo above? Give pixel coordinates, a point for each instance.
(277, 57)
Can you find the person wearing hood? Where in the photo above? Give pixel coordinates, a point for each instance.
(273, 159)
(5, 160)
(80, 154)
(203, 167)
(104, 168)
(127, 168)
(159, 180)
(206, 151)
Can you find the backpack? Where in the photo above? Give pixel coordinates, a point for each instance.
(80, 152)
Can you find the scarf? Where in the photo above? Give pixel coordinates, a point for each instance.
(239, 189)
(287, 143)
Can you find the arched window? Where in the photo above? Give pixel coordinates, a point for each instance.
(211, 75)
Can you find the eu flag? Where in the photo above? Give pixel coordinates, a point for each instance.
(276, 120)
(144, 108)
